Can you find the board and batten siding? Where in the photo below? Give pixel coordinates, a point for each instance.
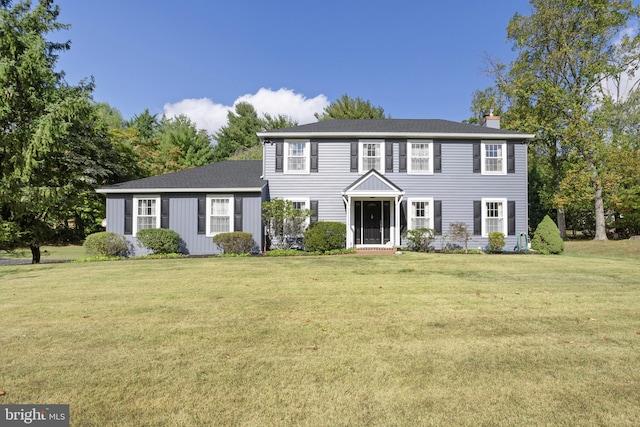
(456, 186)
(183, 219)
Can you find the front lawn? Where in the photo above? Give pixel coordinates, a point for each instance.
(411, 339)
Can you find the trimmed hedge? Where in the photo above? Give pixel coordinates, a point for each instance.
(324, 236)
(159, 240)
(106, 243)
(547, 239)
(237, 242)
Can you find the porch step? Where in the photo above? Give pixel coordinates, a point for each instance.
(376, 251)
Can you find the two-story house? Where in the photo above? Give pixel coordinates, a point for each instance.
(379, 177)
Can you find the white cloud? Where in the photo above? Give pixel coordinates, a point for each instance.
(211, 116)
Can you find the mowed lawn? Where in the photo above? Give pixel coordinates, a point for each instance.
(402, 340)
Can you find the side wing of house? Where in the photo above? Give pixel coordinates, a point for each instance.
(419, 182)
(196, 217)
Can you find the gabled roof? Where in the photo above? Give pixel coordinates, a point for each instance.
(227, 176)
(393, 128)
(373, 183)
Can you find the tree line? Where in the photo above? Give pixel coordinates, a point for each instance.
(573, 83)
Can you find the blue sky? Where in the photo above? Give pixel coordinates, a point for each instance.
(414, 58)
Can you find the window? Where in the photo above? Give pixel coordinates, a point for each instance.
(296, 157)
(420, 213)
(493, 216)
(219, 215)
(146, 212)
(494, 159)
(371, 156)
(420, 157)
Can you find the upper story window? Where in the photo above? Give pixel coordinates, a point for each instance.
(297, 157)
(420, 157)
(494, 216)
(494, 158)
(420, 213)
(371, 156)
(219, 214)
(146, 212)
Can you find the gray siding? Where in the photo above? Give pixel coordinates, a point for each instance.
(456, 186)
(183, 216)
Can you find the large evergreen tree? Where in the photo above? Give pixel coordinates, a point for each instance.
(54, 149)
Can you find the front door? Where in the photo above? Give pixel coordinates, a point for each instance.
(372, 223)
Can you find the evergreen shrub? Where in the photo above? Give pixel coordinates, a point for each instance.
(159, 240)
(496, 241)
(324, 236)
(546, 238)
(106, 243)
(237, 242)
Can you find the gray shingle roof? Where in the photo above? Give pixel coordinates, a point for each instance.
(392, 126)
(240, 174)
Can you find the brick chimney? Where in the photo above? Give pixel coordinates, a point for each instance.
(490, 121)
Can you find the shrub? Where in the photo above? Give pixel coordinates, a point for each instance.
(106, 243)
(234, 243)
(546, 238)
(159, 240)
(496, 241)
(325, 236)
(420, 239)
(459, 234)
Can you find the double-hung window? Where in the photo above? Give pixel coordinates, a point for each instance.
(494, 161)
(371, 156)
(219, 214)
(297, 157)
(420, 213)
(494, 216)
(146, 212)
(420, 159)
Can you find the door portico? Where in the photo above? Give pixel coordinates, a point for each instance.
(373, 211)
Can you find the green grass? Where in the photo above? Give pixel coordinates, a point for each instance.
(412, 339)
(58, 253)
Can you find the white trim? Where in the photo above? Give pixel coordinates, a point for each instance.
(231, 212)
(307, 157)
(419, 135)
(177, 190)
(410, 171)
(431, 211)
(381, 155)
(505, 214)
(483, 157)
(158, 207)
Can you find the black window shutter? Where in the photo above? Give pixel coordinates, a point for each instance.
(437, 157)
(511, 158)
(314, 156)
(279, 156)
(403, 216)
(354, 157)
(403, 156)
(164, 212)
(128, 215)
(237, 213)
(511, 215)
(314, 211)
(437, 216)
(202, 214)
(477, 217)
(388, 163)
(476, 157)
